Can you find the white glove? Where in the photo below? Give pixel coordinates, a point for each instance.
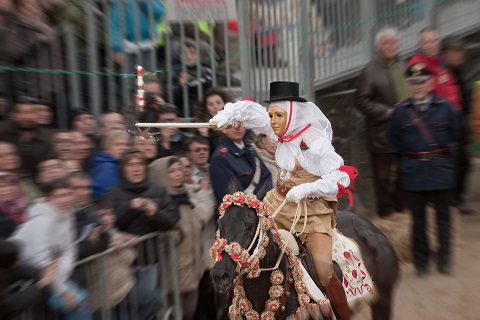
(222, 119)
(296, 194)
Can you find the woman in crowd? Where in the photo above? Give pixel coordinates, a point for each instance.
(196, 212)
(265, 148)
(142, 207)
(11, 198)
(213, 101)
(10, 162)
(104, 166)
(147, 145)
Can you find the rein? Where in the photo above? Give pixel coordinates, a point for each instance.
(249, 265)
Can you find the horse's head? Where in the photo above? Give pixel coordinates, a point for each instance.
(238, 224)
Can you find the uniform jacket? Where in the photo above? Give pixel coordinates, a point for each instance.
(445, 84)
(105, 173)
(37, 149)
(374, 97)
(444, 125)
(229, 162)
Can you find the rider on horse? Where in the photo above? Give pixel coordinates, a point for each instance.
(309, 175)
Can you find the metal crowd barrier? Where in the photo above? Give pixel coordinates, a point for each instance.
(314, 42)
(156, 250)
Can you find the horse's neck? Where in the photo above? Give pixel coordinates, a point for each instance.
(256, 289)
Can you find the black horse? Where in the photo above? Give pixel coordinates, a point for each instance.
(239, 224)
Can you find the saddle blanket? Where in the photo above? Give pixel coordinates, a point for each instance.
(357, 282)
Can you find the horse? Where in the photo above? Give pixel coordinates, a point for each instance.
(239, 224)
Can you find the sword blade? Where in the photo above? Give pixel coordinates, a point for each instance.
(180, 125)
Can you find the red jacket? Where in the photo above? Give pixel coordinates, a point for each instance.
(445, 85)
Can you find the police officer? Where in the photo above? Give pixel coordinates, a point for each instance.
(421, 130)
(236, 158)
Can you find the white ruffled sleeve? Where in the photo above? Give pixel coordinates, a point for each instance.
(252, 115)
(325, 162)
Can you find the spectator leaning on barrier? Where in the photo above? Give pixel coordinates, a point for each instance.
(89, 233)
(194, 216)
(32, 141)
(115, 280)
(48, 236)
(142, 207)
(104, 167)
(21, 287)
(421, 130)
(381, 86)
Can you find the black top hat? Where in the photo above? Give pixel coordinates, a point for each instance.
(284, 91)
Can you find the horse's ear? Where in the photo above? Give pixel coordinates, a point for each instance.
(233, 186)
(262, 192)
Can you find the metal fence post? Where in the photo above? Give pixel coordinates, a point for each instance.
(244, 39)
(369, 20)
(431, 10)
(306, 52)
(94, 82)
(72, 55)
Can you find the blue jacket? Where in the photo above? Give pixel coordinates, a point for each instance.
(123, 19)
(105, 173)
(445, 128)
(228, 161)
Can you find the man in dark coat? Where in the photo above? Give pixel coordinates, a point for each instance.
(380, 87)
(454, 51)
(33, 142)
(236, 158)
(421, 130)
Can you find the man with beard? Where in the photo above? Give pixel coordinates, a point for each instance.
(22, 130)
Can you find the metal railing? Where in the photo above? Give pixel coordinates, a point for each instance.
(314, 42)
(318, 42)
(94, 273)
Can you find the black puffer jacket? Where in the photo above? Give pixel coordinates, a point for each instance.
(137, 221)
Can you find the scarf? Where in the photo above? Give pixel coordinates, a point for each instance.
(399, 83)
(181, 198)
(136, 188)
(14, 208)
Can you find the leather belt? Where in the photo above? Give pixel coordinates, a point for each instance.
(428, 155)
(283, 191)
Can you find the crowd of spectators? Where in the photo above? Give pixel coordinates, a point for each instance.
(68, 194)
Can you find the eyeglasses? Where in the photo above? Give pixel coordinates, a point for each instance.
(199, 149)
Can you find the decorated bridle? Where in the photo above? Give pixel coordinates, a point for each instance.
(249, 264)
